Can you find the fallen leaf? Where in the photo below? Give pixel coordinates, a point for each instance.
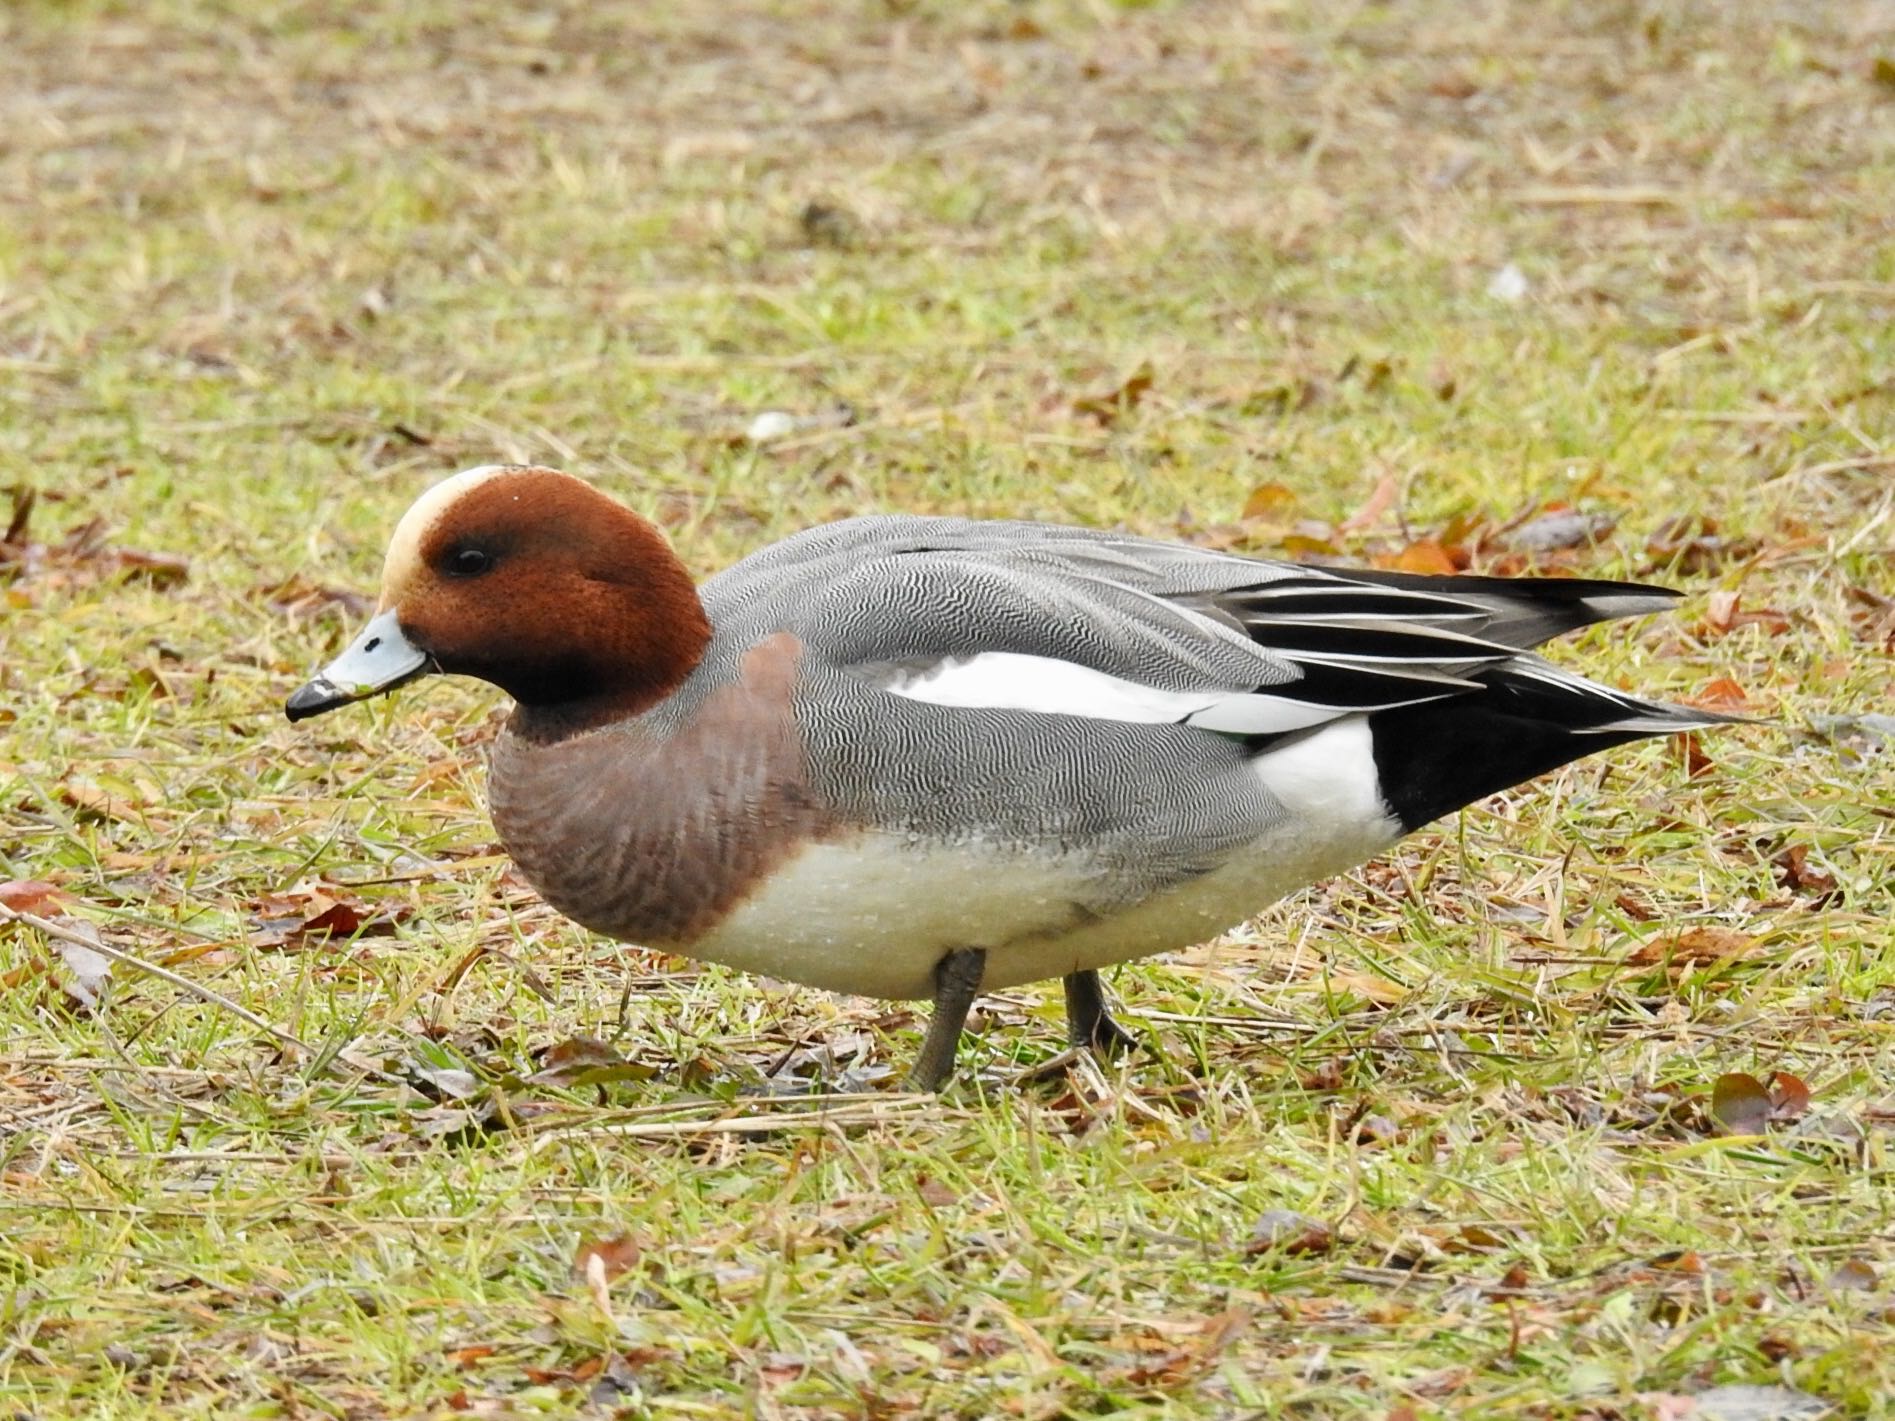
(1789, 1096)
(613, 1257)
(1796, 872)
(1428, 556)
(1111, 406)
(1852, 1275)
(1723, 614)
(302, 599)
(455, 1082)
(1721, 694)
(1775, 1347)
(28, 895)
(1515, 1277)
(1741, 1104)
(1692, 544)
(306, 919)
(1699, 944)
(1558, 528)
(1328, 1076)
(1303, 545)
(1376, 1130)
(24, 497)
(1382, 498)
(1690, 752)
(1288, 1232)
(586, 1061)
(1678, 1260)
(1269, 500)
(88, 973)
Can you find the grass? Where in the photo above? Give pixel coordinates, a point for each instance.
(265, 273)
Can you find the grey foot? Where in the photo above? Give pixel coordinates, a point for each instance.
(956, 982)
(1088, 1021)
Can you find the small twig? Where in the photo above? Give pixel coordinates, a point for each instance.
(164, 974)
(903, 1106)
(1835, 466)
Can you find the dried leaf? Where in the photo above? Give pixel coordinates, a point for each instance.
(1697, 764)
(586, 1061)
(1796, 872)
(303, 599)
(87, 973)
(1721, 694)
(1558, 528)
(308, 919)
(1428, 556)
(1678, 1260)
(1109, 407)
(24, 497)
(1741, 1104)
(1692, 544)
(1328, 1076)
(1723, 614)
(1302, 545)
(1376, 1130)
(449, 1080)
(1269, 500)
(1288, 1232)
(613, 1257)
(1693, 945)
(1852, 1275)
(1383, 497)
(1789, 1096)
(29, 895)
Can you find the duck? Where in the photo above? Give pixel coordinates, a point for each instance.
(926, 757)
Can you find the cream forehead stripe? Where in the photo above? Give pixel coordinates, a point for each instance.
(403, 563)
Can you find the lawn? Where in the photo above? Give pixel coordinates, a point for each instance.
(1578, 1105)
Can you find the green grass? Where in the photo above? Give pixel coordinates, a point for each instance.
(264, 276)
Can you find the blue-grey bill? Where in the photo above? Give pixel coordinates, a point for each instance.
(378, 660)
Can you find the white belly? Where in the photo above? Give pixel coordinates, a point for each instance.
(873, 915)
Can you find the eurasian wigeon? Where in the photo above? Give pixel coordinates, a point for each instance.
(926, 757)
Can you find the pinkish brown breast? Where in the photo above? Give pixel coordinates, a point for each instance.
(654, 838)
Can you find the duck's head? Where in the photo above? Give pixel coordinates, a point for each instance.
(532, 580)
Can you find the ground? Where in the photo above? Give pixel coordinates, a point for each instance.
(1575, 1106)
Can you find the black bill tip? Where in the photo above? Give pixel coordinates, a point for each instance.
(315, 697)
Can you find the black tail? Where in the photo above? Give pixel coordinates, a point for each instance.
(1528, 718)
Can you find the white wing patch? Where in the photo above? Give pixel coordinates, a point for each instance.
(1011, 680)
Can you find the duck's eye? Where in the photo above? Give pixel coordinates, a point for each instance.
(468, 562)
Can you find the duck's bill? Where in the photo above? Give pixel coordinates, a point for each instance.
(378, 660)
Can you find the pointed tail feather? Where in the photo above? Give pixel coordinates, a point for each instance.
(1528, 718)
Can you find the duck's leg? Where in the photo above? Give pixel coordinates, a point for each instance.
(1088, 1020)
(956, 982)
